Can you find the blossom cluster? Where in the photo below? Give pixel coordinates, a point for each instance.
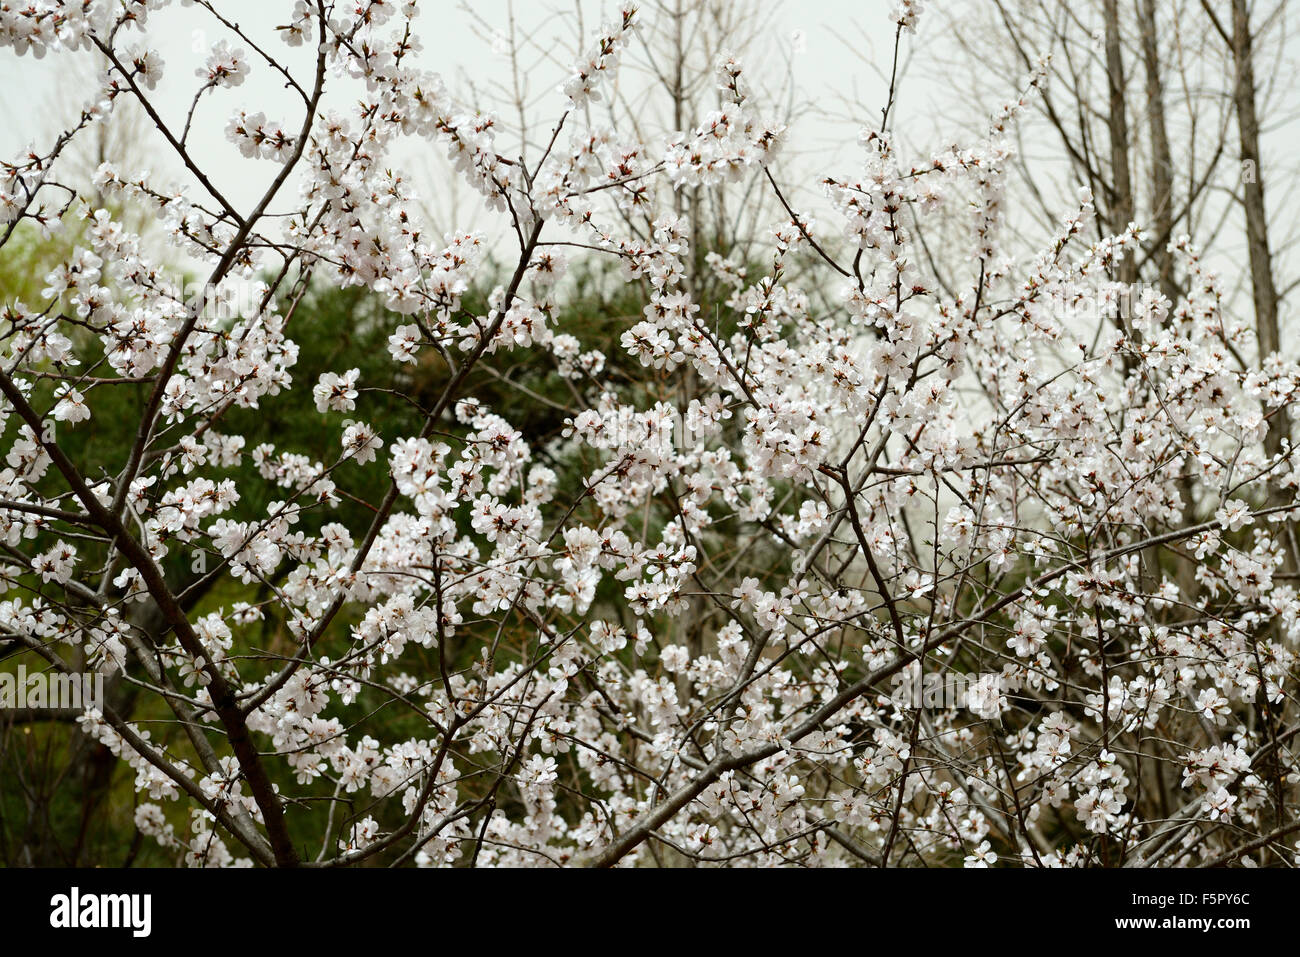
(615, 647)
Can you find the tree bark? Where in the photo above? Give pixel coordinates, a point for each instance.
(1121, 199)
(1162, 166)
(1263, 287)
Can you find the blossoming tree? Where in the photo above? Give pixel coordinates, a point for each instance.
(690, 630)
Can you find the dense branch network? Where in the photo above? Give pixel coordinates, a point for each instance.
(700, 626)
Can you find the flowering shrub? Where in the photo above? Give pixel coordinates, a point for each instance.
(676, 633)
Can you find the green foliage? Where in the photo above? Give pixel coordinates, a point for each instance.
(335, 330)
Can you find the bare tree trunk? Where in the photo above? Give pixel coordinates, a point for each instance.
(1162, 214)
(1261, 261)
(1121, 199)
(1162, 166)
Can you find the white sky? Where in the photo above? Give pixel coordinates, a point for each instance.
(826, 67)
(836, 51)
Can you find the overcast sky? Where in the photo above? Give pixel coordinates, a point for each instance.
(835, 51)
(827, 46)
